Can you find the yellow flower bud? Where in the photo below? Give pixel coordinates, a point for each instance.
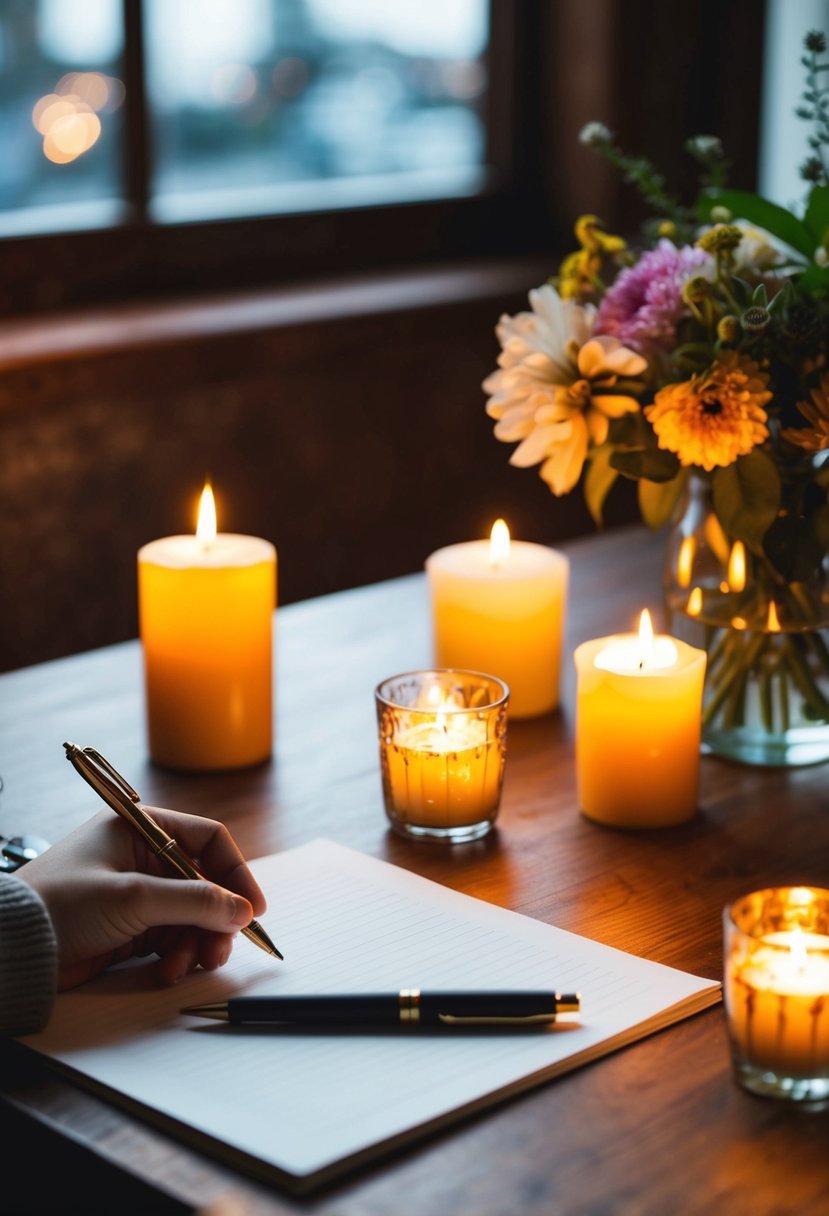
(696, 289)
(728, 329)
(722, 238)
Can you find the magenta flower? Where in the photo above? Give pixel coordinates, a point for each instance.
(644, 305)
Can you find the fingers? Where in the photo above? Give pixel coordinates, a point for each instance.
(152, 901)
(188, 949)
(217, 851)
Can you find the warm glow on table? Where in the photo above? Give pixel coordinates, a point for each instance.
(498, 606)
(638, 723)
(442, 758)
(206, 606)
(777, 987)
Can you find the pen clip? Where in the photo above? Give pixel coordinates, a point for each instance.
(528, 1019)
(122, 786)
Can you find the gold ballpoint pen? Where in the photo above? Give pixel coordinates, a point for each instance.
(120, 795)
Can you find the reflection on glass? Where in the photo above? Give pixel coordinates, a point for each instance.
(60, 95)
(261, 105)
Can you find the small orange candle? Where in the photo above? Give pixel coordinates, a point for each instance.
(206, 607)
(638, 725)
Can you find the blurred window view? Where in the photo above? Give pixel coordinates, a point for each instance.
(60, 120)
(272, 105)
(254, 106)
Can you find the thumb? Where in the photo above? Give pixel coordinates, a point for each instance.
(166, 901)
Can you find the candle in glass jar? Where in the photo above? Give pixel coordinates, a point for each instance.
(777, 990)
(638, 726)
(442, 752)
(498, 606)
(206, 606)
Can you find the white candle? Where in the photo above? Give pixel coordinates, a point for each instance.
(498, 606)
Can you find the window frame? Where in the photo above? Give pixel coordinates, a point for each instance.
(141, 258)
(552, 66)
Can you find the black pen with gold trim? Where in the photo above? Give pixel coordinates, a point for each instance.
(409, 1007)
(122, 798)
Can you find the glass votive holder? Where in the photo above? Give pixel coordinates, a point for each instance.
(777, 991)
(442, 750)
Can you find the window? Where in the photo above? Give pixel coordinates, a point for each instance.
(783, 146)
(155, 146)
(263, 105)
(60, 128)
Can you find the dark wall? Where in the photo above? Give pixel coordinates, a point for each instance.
(356, 445)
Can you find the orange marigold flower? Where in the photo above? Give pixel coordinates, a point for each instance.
(816, 437)
(714, 417)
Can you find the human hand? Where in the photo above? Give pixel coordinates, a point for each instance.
(110, 898)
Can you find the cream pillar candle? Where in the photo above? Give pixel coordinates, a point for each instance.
(206, 608)
(638, 724)
(498, 606)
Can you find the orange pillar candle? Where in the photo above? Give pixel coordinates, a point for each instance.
(638, 724)
(498, 606)
(206, 608)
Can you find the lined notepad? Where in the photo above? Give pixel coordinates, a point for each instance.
(299, 1107)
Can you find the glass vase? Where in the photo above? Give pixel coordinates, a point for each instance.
(766, 697)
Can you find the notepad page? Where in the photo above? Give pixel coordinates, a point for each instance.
(304, 1103)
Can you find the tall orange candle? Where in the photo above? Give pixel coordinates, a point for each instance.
(206, 615)
(638, 725)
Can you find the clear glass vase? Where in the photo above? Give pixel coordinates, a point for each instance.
(766, 698)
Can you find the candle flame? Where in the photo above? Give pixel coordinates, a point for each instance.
(206, 526)
(694, 605)
(498, 544)
(737, 567)
(773, 620)
(441, 701)
(685, 561)
(645, 638)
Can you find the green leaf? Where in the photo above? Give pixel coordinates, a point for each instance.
(747, 497)
(776, 220)
(814, 280)
(651, 463)
(657, 500)
(817, 214)
(598, 481)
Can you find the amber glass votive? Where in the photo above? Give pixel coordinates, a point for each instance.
(442, 751)
(777, 991)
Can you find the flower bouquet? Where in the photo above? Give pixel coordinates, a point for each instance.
(695, 363)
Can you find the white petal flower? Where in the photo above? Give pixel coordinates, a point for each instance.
(555, 388)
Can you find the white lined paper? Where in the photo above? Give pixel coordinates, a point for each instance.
(306, 1105)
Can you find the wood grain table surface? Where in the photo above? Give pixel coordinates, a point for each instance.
(659, 1127)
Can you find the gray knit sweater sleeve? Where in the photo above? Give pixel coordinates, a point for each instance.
(28, 958)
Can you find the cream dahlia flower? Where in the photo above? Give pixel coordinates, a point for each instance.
(554, 387)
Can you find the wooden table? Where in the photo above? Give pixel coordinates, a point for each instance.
(658, 1127)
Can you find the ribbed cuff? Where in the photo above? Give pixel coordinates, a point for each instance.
(28, 958)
